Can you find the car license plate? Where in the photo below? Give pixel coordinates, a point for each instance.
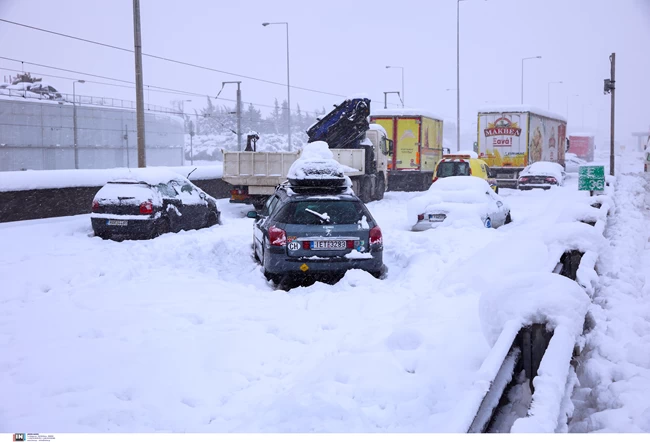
(116, 222)
(437, 217)
(328, 245)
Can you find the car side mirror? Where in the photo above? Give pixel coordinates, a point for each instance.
(390, 147)
(252, 214)
(202, 195)
(499, 203)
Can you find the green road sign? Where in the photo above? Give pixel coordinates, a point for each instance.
(591, 178)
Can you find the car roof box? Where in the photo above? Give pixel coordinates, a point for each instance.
(319, 186)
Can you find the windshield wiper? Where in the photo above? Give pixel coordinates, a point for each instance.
(323, 217)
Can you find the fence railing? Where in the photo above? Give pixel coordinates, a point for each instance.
(87, 100)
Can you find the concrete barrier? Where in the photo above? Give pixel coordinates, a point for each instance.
(21, 205)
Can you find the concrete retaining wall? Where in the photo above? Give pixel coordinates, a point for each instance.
(24, 205)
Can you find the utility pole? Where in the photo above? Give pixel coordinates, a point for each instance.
(610, 88)
(126, 138)
(139, 88)
(386, 95)
(238, 110)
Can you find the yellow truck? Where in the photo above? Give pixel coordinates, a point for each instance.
(417, 146)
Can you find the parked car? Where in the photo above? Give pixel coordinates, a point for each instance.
(150, 205)
(459, 197)
(464, 164)
(315, 227)
(572, 163)
(541, 175)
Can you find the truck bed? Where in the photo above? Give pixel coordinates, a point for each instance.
(268, 169)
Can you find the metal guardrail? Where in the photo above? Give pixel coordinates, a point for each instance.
(87, 100)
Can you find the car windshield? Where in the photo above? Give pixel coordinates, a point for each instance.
(453, 168)
(322, 212)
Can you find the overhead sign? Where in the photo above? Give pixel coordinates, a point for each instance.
(591, 178)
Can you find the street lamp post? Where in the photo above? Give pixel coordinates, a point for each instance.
(74, 122)
(549, 92)
(522, 75)
(399, 67)
(288, 84)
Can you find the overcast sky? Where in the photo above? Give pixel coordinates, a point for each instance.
(342, 47)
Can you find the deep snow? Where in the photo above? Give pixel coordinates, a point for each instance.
(614, 369)
(183, 333)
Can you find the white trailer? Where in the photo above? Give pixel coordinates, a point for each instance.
(510, 138)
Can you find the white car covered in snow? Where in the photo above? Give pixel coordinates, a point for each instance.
(572, 163)
(541, 175)
(458, 198)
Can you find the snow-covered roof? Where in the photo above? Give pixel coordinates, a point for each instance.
(521, 108)
(469, 153)
(379, 128)
(404, 112)
(52, 179)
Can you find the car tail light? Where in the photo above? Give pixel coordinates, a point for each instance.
(306, 245)
(146, 208)
(375, 236)
(278, 237)
(551, 180)
(421, 217)
(349, 244)
(645, 167)
(95, 205)
(523, 179)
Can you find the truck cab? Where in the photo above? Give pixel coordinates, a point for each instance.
(464, 164)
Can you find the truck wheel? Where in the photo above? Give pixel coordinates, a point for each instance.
(365, 189)
(380, 186)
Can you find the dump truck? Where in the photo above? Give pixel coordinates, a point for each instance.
(417, 145)
(510, 138)
(582, 144)
(354, 142)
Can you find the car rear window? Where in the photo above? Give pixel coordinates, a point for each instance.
(452, 168)
(322, 212)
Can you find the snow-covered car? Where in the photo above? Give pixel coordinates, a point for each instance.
(572, 163)
(149, 205)
(314, 226)
(541, 175)
(458, 198)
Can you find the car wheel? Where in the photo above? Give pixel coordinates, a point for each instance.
(213, 219)
(488, 223)
(162, 227)
(508, 218)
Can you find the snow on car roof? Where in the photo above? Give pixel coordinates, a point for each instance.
(317, 162)
(521, 108)
(454, 183)
(404, 112)
(469, 153)
(544, 167)
(147, 175)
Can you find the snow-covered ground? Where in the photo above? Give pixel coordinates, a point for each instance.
(183, 333)
(614, 371)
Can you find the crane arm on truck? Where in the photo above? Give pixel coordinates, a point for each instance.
(345, 126)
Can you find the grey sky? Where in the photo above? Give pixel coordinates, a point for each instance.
(343, 47)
